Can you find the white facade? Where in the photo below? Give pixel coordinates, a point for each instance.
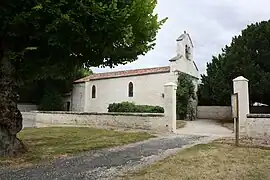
(148, 84)
(147, 89)
(77, 97)
(183, 61)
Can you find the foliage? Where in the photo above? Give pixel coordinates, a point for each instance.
(191, 114)
(33, 91)
(52, 100)
(247, 55)
(184, 95)
(48, 94)
(54, 39)
(46, 39)
(131, 107)
(81, 72)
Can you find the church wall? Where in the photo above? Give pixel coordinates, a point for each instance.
(185, 66)
(77, 99)
(148, 90)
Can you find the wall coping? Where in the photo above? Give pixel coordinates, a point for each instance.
(258, 115)
(96, 113)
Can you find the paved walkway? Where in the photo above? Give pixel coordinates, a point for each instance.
(205, 127)
(104, 164)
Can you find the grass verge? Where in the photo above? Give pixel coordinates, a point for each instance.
(217, 160)
(46, 144)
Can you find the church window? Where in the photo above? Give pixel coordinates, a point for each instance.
(93, 91)
(130, 89)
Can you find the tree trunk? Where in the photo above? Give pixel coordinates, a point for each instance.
(10, 116)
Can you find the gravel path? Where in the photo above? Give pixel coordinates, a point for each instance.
(104, 164)
(205, 127)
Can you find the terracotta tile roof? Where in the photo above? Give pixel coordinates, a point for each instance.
(126, 73)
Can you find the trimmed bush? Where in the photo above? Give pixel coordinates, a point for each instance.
(133, 108)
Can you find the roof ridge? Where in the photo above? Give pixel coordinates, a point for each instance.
(133, 69)
(124, 73)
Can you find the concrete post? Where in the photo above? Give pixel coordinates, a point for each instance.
(86, 96)
(170, 105)
(240, 86)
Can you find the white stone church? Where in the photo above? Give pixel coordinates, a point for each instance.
(142, 86)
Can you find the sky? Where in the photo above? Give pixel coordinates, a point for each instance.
(210, 23)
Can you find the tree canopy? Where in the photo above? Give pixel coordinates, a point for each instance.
(248, 55)
(46, 39)
(36, 91)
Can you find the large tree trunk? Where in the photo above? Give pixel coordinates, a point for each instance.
(10, 116)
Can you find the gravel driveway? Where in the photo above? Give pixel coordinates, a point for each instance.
(104, 164)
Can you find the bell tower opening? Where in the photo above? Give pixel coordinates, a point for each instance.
(184, 47)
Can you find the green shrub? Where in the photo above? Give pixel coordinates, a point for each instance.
(184, 97)
(131, 107)
(51, 101)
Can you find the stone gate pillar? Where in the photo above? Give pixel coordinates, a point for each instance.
(170, 105)
(240, 86)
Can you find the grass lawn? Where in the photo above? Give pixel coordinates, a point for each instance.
(214, 161)
(46, 144)
(180, 124)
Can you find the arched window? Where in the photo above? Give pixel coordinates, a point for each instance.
(94, 91)
(130, 89)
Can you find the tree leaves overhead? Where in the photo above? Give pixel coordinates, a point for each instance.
(248, 55)
(46, 37)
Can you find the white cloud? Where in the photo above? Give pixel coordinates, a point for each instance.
(211, 25)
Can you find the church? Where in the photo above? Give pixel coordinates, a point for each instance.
(94, 93)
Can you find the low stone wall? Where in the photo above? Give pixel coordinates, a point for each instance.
(29, 119)
(214, 112)
(153, 122)
(258, 125)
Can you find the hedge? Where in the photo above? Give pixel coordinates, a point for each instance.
(133, 108)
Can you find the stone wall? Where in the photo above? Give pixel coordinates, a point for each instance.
(251, 125)
(258, 125)
(29, 119)
(214, 112)
(152, 122)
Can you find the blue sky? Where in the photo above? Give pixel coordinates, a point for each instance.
(211, 25)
